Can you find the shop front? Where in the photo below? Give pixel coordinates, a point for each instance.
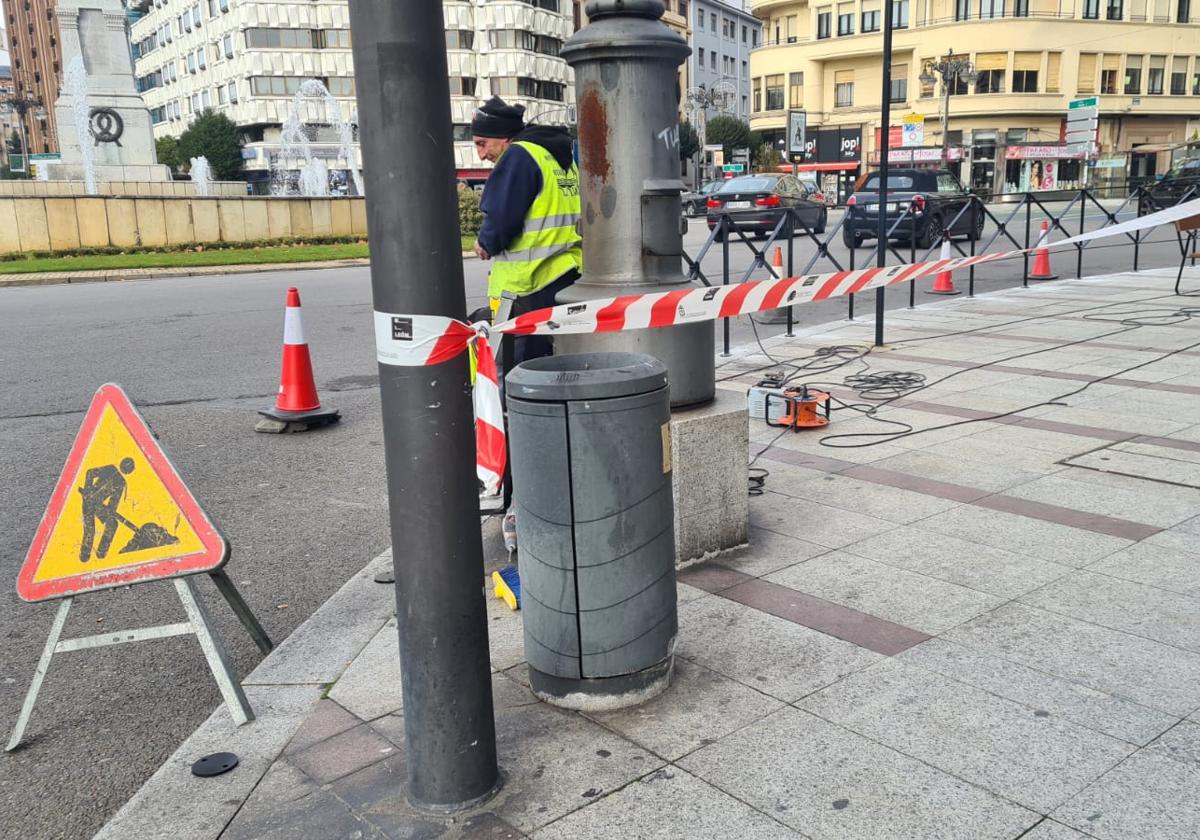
(834, 155)
(1042, 168)
(924, 157)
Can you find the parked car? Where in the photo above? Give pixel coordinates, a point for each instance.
(755, 203)
(694, 202)
(1181, 182)
(935, 197)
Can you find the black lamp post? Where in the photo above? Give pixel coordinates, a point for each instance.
(949, 69)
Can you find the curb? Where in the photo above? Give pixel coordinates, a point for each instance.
(175, 805)
(50, 278)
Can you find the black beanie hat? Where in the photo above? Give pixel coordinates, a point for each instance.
(496, 118)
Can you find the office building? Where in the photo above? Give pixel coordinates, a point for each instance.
(36, 66)
(723, 35)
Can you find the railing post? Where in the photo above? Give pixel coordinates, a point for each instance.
(1025, 256)
(724, 227)
(790, 268)
(976, 210)
(1083, 197)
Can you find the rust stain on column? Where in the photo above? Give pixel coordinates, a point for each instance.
(593, 134)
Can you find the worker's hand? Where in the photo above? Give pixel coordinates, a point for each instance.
(479, 252)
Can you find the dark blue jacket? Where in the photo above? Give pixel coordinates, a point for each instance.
(514, 185)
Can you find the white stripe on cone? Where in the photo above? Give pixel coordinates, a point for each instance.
(293, 326)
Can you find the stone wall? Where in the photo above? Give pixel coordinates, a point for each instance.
(63, 224)
(33, 187)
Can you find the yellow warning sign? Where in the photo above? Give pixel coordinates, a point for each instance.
(119, 514)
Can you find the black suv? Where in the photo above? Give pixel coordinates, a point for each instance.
(1182, 182)
(935, 197)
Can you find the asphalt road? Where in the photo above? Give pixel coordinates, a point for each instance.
(303, 512)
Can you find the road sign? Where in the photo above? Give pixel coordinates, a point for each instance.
(714, 147)
(913, 130)
(1092, 102)
(733, 167)
(797, 131)
(119, 514)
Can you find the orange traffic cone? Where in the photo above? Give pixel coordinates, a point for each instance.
(943, 284)
(297, 406)
(777, 258)
(1041, 257)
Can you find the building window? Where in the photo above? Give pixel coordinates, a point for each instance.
(335, 38)
(1020, 8)
(222, 98)
(990, 81)
(846, 20)
(233, 93)
(1025, 81)
(158, 115)
(757, 86)
(461, 86)
(712, 61)
(745, 34)
(823, 21)
(202, 58)
(340, 85)
(774, 85)
(962, 10)
(899, 14)
(745, 70)
(796, 90)
(459, 39)
(754, 37)
(898, 92)
(1196, 79)
(1154, 75)
(1091, 9)
(712, 20)
(870, 21)
(1133, 74)
(700, 56)
(1179, 77)
(1184, 11)
(280, 39)
(1115, 10)
(843, 89)
(533, 88)
(1108, 81)
(991, 9)
(227, 44)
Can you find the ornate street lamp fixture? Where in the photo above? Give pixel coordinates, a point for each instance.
(949, 69)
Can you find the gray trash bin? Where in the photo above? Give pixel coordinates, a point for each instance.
(590, 442)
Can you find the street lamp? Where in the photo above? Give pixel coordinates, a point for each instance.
(700, 99)
(948, 69)
(22, 104)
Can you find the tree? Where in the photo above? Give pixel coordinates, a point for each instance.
(689, 141)
(215, 137)
(730, 132)
(765, 158)
(167, 149)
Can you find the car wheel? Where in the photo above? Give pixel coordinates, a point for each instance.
(851, 239)
(932, 233)
(822, 220)
(976, 232)
(719, 237)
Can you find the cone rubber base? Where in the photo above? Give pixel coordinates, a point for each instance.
(280, 422)
(946, 292)
(1043, 276)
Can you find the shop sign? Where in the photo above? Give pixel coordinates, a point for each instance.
(913, 130)
(1040, 153)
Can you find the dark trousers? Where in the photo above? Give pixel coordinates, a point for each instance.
(522, 348)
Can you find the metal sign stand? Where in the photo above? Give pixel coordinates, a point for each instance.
(198, 623)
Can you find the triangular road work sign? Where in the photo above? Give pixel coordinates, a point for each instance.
(120, 513)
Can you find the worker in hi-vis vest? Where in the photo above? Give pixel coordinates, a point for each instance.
(530, 229)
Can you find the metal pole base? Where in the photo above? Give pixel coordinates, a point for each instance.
(605, 693)
(947, 292)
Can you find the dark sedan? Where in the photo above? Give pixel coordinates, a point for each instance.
(923, 204)
(1180, 184)
(695, 202)
(756, 203)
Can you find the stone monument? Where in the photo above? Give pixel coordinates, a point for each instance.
(113, 120)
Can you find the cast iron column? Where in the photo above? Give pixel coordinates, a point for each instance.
(885, 119)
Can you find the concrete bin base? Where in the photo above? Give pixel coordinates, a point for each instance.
(709, 447)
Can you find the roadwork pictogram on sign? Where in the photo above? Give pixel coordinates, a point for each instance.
(119, 514)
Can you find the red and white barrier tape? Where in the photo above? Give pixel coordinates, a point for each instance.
(418, 340)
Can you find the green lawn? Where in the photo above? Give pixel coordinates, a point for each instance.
(233, 256)
(468, 242)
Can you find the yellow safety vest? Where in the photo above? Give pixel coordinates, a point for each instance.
(549, 245)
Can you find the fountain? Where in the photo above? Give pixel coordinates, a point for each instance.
(294, 143)
(201, 175)
(75, 85)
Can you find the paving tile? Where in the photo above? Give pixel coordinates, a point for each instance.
(1054, 444)
(1140, 670)
(768, 552)
(667, 805)
(556, 762)
(954, 469)
(506, 633)
(1154, 565)
(1050, 830)
(376, 795)
(685, 593)
(828, 782)
(343, 754)
(851, 493)
(1140, 503)
(370, 687)
(1032, 537)
(325, 720)
(318, 816)
(1036, 760)
(906, 598)
(982, 567)
(699, 707)
(1135, 608)
(1041, 692)
(1181, 743)
(770, 654)
(1151, 796)
(812, 522)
